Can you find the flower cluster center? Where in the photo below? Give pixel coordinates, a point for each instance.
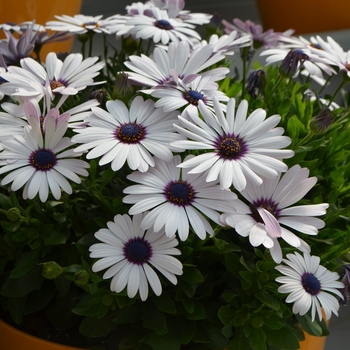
(267, 204)
(137, 251)
(55, 84)
(193, 96)
(88, 25)
(130, 133)
(163, 24)
(310, 283)
(43, 159)
(179, 193)
(230, 147)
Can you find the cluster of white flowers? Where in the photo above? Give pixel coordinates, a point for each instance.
(184, 111)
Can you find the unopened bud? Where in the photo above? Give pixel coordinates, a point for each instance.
(13, 214)
(256, 83)
(123, 89)
(81, 278)
(292, 62)
(51, 270)
(322, 122)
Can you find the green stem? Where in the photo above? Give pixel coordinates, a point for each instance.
(306, 139)
(345, 80)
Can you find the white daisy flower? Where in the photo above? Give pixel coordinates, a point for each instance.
(226, 44)
(333, 51)
(77, 114)
(177, 200)
(42, 162)
(188, 95)
(121, 135)
(309, 285)
(158, 26)
(64, 78)
(80, 24)
(176, 61)
(132, 256)
(236, 148)
(269, 214)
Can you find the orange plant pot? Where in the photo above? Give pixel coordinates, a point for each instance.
(305, 16)
(41, 11)
(312, 343)
(13, 339)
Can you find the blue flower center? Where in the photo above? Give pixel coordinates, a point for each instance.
(310, 283)
(137, 251)
(179, 193)
(43, 159)
(266, 204)
(130, 133)
(230, 147)
(193, 97)
(163, 24)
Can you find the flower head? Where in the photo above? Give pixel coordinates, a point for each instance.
(177, 200)
(133, 256)
(175, 62)
(159, 26)
(42, 159)
(121, 135)
(268, 215)
(309, 285)
(80, 24)
(187, 96)
(236, 147)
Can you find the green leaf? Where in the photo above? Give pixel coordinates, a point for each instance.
(257, 339)
(53, 237)
(192, 274)
(19, 287)
(94, 327)
(315, 328)
(284, 338)
(239, 341)
(226, 314)
(267, 299)
(165, 304)
(129, 314)
(25, 264)
(169, 341)
(198, 313)
(157, 321)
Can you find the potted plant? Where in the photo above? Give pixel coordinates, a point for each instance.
(153, 197)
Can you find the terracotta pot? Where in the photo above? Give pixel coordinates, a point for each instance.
(42, 11)
(312, 343)
(13, 339)
(305, 16)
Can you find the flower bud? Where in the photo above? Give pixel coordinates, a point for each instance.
(13, 214)
(51, 270)
(256, 83)
(81, 278)
(290, 63)
(100, 95)
(322, 122)
(123, 89)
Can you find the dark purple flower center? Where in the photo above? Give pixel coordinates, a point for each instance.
(310, 283)
(193, 96)
(43, 159)
(266, 204)
(163, 24)
(179, 193)
(137, 251)
(230, 147)
(130, 133)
